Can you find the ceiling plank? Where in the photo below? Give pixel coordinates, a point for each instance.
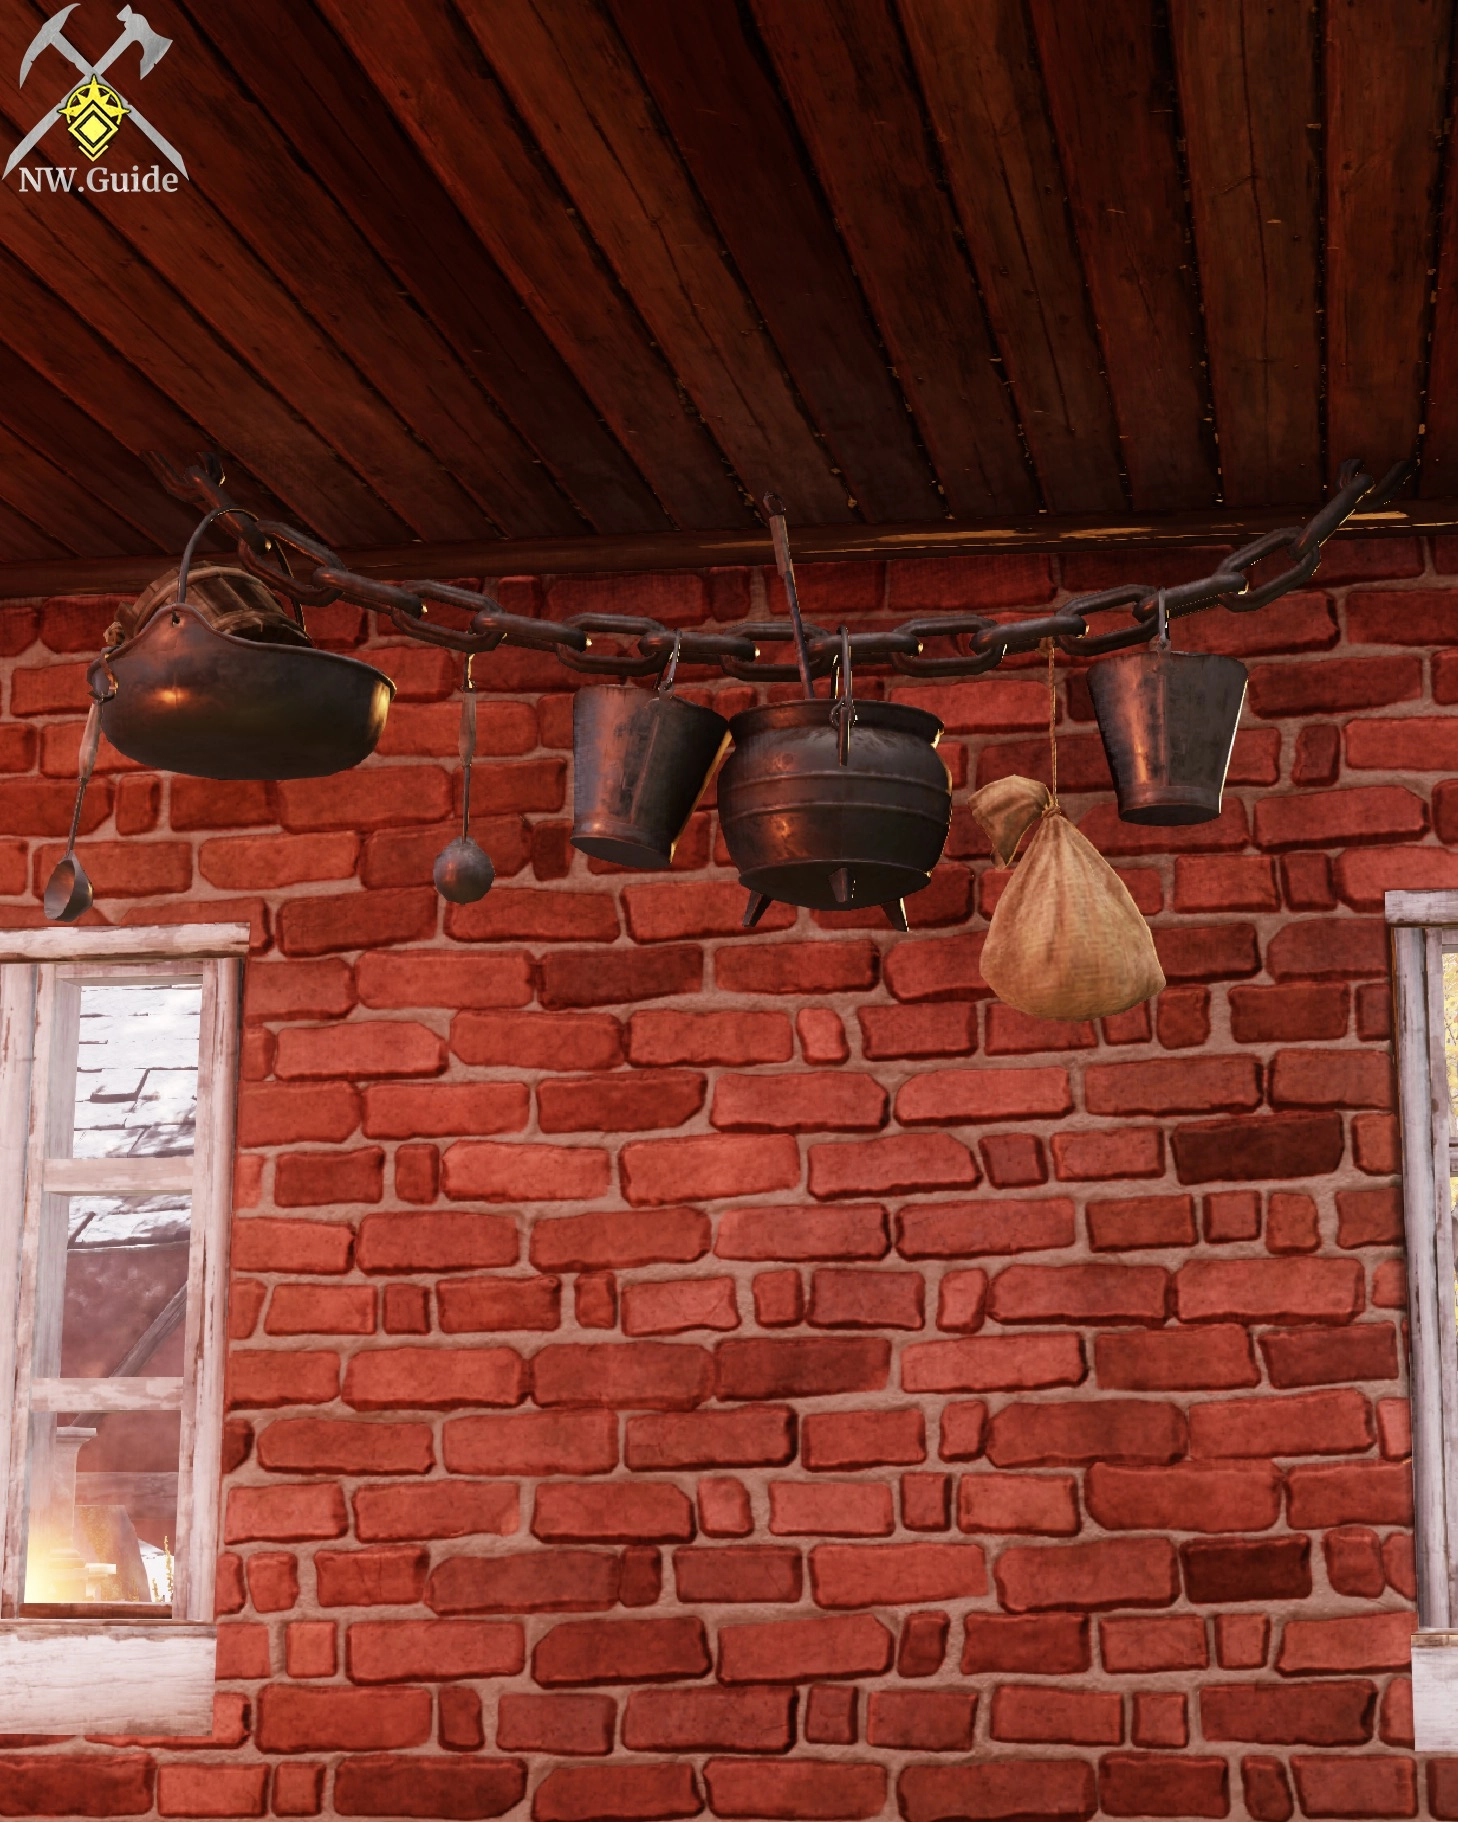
(574, 84)
(1386, 74)
(21, 543)
(58, 504)
(1113, 112)
(1249, 105)
(204, 262)
(979, 72)
(432, 73)
(844, 69)
(1440, 439)
(294, 226)
(317, 95)
(733, 132)
(81, 445)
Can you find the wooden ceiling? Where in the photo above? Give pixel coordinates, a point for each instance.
(456, 271)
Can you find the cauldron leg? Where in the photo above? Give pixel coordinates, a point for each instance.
(759, 903)
(896, 913)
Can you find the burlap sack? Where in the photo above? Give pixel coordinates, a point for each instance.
(1007, 808)
(1066, 940)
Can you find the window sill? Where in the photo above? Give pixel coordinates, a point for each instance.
(107, 1676)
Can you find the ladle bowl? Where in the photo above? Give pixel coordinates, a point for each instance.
(463, 871)
(68, 892)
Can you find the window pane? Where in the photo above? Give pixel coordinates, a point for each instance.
(125, 1287)
(136, 1069)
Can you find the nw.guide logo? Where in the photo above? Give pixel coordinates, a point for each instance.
(94, 110)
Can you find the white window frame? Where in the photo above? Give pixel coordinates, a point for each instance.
(116, 1675)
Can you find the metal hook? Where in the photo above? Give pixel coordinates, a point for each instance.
(665, 682)
(843, 709)
(1161, 621)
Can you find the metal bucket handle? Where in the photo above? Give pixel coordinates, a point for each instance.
(843, 709)
(670, 670)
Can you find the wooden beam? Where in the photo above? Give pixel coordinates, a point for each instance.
(1113, 108)
(662, 551)
(1249, 106)
(979, 72)
(118, 1176)
(1439, 471)
(141, 1394)
(735, 135)
(1386, 78)
(844, 67)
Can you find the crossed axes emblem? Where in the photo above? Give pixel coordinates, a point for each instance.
(154, 47)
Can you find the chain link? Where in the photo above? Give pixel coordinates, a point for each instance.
(627, 645)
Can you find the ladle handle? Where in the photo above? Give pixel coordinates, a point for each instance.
(90, 742)
(467, 751)
(774, 507)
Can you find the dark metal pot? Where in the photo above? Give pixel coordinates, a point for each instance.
(808, 828)
(1168, 723)
(640, 763)
(190, 699)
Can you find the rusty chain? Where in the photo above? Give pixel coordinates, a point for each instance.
(309, 573)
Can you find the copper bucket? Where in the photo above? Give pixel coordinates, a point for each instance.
(640, 762)
(1168, 721)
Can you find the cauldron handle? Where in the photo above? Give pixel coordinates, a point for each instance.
(774, 507)
(843, 710)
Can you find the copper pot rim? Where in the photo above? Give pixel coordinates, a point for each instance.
(791, 717)
(250, 650)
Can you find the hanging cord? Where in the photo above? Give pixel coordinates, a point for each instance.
(1053, 806)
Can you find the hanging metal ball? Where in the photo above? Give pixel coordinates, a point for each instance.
(463, 871)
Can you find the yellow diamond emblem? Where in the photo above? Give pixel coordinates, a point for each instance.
(92, 115)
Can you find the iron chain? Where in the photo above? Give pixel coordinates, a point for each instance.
(637, 646)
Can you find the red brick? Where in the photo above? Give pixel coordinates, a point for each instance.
(1061, 1790)
(1277, 1714)
(390, 1576)
(672, 1306)
(651, 1791)
(271, 1114)
(524, 1581)
(406, 856)
(298, 990)
(1309, 1423)
(986, 1363)
(1045, 1504)
(1079, 1293)
(1111, 836)
(835, 1508)
(267, 863)
(1332, 685)
(1055, 1646)
(810, 970)
(612, 1512)
(612, 977)
(122, 869)
(436, 1508)
(801, 1368)
(264, 1377)
(1161, 1718)
(1143, 1645)
(1184, 1496)
(1365, 1786)
(1242, 1640)
(324, 1179)
(243, 1651)
(401, 1651)
(1317, 948)
(961, 1096)
(595, 1300)
(1354, 1561)
(443, 1242)
(1376, 1493)
(1247, 1569)
(1233, 1215)
(1395, 1723)
(206, 1789)
(779, 1299)
(935, 1030)
(890, 1166)
(1268, 1146)
(962, 1300)
(921, 1720)
(630, 1375)
(1133, 1784)
(955, 1230)
(580, 1725)
(1317, 758)
(385, 1379)
(706, 1720)
(575, 1243)
(1132, 1151)
(756, 1436)
(750, 1572)
(1269, 1290)
(793, 1788)
(671, 911)
(532, 1040)
(1365, 875)
(1031, 1713)
(803, 1101)
(1130, 1222)
(1331, 1078)
(1191, 1085)
(442, 1110)
(724, 1509)
(1175, 1360)
(261, 1244)
(1217, 882)
(796, 1650)
(1306, 879)
(860, 1439)
(854, 1231)
(1369, 1641)
(866, 1299)
(963, 1434)
(1207, 952)
(1376, 1146)
(1183, 1017)
(1065, 1433)
(116, 1784)
(493, 1171)
(1112, 1572)
(477, 1305)
(923, 1644)
(291, 1719)
(1265, 1015)
(321, 1445)
(1013, 1160)
(736, 1038)
(1013, 1033)
(658, 1171)
(1369, 1217)
(333, 1309)
(621, 1651)
(383, 1786)
(653, 1100)
(936, 968)
(1365, 813)
(356, 920)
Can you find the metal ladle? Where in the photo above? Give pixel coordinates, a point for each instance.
(463, 871)
(68, 891)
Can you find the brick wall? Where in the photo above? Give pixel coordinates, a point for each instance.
(676, 1369)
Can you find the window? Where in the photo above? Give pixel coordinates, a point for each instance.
(117, 1083)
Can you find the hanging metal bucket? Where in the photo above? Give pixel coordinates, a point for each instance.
(640, 763)
(1168, 723)
(832, 812)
